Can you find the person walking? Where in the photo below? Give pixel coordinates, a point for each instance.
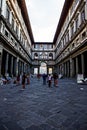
(28, 79)
(49, 80)
(55, 76)
(18, 79)
(23, 80)
(44, 78)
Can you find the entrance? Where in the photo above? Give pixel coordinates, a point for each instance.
(43, 68)
(35, 70)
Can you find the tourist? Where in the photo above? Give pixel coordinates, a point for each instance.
(55, 76)
(49, 80)
(44, 76)
(23, 80)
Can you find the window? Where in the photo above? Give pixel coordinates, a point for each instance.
(17, 29)
(73, 45)
(83, 35)
(35, 56)
(77, 23)
(0, 3)
(8, 13)
(11, 39)
(72, 30)
(12, 21)
(16, 44)
(50, 56)
(68, 36)
(83, 15)
(6, 33)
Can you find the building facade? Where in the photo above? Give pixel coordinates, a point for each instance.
(43, 54)
(19, 53)
(71, 39)
(15, 38)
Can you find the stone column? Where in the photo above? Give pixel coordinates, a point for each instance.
(82, 62)
(68, 68)
(86, 10)
(77, 70)
(12, 66)
(6, 65)
(0, 58)
(71, 67)
(17, 62)
(65, 69)
(22, 67)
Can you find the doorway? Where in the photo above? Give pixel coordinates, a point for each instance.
(43, 68)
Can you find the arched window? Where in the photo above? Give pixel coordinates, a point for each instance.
(50, 56)
(35, 56)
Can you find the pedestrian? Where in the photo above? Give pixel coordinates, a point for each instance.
(44, 76)
(28, 79)
(23, 80)
(55, 76)
(49, 80)
(18, 79)
(38, 76)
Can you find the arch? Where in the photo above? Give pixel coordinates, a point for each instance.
(43, 68)
(50, 56)
(35, 55)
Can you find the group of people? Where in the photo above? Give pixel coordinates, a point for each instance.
(23, 79)
(48, 79)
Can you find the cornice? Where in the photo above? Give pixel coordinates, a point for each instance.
(25, 15)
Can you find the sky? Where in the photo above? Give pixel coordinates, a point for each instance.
(44, 16)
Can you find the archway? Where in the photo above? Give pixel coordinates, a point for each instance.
(43, 68)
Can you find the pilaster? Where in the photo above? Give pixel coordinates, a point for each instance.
(82, 62)
(1, 51)
(6, 65)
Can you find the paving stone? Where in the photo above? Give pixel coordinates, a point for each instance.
(2, 127)
(33, 127)
(45, 127)
(12, 126)
(39, 107)
(45, 113)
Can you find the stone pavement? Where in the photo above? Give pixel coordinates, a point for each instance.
(39, 107)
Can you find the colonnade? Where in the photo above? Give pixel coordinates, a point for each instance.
(74, 65)
(12, 65)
